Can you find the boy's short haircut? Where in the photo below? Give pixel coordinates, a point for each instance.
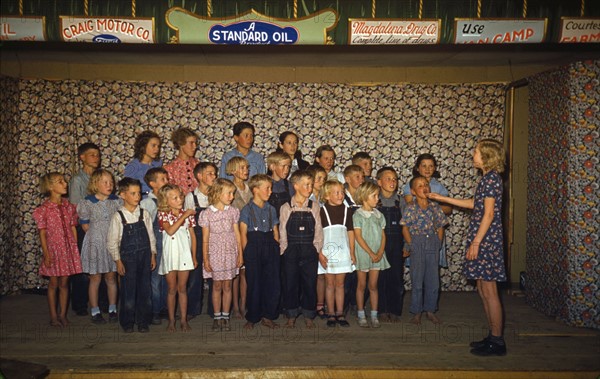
(360, 156)
(233, 164)
(276, 157)
(152, 173)
(95, 178)
(141, 141)
(84, 147)
(352, 169)
(363, 191)
(323, 148)
(162, 196)
(238, 127)
(259, 179)
(46, 181)
(126, 182)
(200, 167)
(214, 192)
(328, 186)
(314, 169)
(180, 136)
(382, 170)
(415, 179)
(299, 175)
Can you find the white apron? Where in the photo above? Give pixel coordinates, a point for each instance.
(336, 247)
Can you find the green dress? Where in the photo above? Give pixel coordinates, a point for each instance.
(371, 225)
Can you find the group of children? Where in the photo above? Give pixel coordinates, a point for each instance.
(286, 237)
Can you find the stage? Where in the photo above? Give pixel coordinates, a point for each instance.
(538, 346)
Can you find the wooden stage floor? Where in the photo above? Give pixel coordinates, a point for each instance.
(538, 346)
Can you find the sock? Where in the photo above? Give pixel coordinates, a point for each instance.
(498, 340)
(112, 308)
(373, 314)
(225, 316)
(217, 316)
(95, 311)
(361, 314)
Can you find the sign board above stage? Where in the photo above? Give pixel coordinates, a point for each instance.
(369, 31)
(107, 29)
(581, 30)
(251, 28)
(499, 31)
(22, 28)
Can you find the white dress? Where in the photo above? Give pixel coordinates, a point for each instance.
(177, 249)
(336, 247)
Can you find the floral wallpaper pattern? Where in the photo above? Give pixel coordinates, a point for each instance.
(562, 245)
(394, 123)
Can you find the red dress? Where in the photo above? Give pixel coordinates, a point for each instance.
(58, 220)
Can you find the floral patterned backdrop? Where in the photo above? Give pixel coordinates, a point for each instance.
(562, 244)
(394, 123)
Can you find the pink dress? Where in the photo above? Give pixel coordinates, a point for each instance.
(181, 173)
(58, 221)
(222, 245)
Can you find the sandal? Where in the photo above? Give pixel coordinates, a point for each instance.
(321, 313)
(342, 321)
(331, 321)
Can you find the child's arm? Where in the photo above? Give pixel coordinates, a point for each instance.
(362, 243)
(193, 243)
(486, 221)
(284, 215)
(85, 227)
(276, 233)
(48, 258)
(205, 235)
(238, 239)
(113, 242)
(243, 234)
(381, 247)
(172, 229)
(407, 241)
(440, 233)
(351, 244)
(462, 203)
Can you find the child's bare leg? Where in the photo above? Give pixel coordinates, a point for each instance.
(236, 296)
(217, 296)
(494, 307)
(182, 278)
(373, 290)
(291, 322)
(339, 294)
(309, 323)
(51, 295)
(63, 298)
(269, 323)
(227, 296)
(172, 292)
(111, 287)
(330, 280)
(93, 289)
(360, 290)
(416, 319)
(243, 292)
(321, 294)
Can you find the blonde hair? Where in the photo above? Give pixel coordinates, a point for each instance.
(259, 179)
(363, 191)
(233, 164)
(46, 182)
(276, 157)
(352, 169)
(492, 155)
(95, 178)
(214, 192)
(162, 196)
(328, 187)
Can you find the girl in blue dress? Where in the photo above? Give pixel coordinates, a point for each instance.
(485, 254)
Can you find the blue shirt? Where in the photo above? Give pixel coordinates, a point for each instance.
(423, 221)
(261, 216)
(78, 187)
(136, 170)
(255, 160)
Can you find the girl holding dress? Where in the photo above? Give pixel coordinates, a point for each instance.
(95, 212)
(179, 241)
(369, 232)
(485, 254)
(56, 219)
(222, 250)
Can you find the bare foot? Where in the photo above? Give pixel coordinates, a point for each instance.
(64, 321)
(385, 317)
(309, 323)
(394, 319)
(433, 318)
(249, 325)
(185, 327)
(269, 323)
(416, 319)
(171, 327)
(56, 323)
(291, 323)
(237, 314)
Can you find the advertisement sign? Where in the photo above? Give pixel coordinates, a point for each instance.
(393, 32)
(107, 29)
(499, 31)
(251, 28)
(580, 30)
(22, 28)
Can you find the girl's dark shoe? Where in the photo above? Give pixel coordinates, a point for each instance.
(321, 313)
(342, 321)
(488, 349)
(98, 319)
(331, 321)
